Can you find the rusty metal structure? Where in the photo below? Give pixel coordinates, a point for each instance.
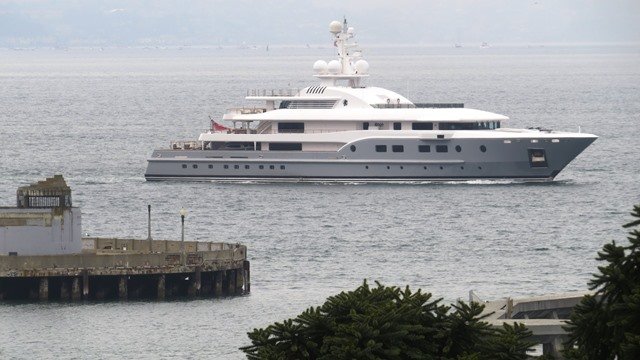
(49, 193)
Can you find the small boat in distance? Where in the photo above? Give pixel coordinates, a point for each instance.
(342, 130)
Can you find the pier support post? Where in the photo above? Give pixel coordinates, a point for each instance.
(64, 289)
(555, 347)
(239, 281)
(75, 289)
(85, 284)
(123, 288)
(161, 287)
(247, 276)
(217, 283)
(33, 289)
(43, 290)
(225, 282)
(231, 287)
(195, 282)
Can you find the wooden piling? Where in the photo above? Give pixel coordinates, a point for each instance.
(65, 293)
(231, 284)
(43, 289)
(161, 287)
(85, 284)
(197, 283)
(75, 289)
(247, 276)
(123, 289)
(239, 281)
(217, 283)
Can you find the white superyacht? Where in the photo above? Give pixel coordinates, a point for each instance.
(341, 130)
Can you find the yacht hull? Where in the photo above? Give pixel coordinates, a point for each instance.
(512, 159)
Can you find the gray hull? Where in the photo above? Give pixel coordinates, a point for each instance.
(499, 160)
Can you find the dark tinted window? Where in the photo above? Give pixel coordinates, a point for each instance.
(442, 148)
(457, 126)
(381, 148)
(424, 148)
(281, 167)
(397, 126)
(236, 166)
(422, 126)
(458, 148)
(261, 167)
(353, 148)
(365, 126)
(226, 166)
(184, 166)
(195, 166)
(483, 148)
(397, 148)
(210, 166)
(246, 167)
(285, 146)
(290, 127)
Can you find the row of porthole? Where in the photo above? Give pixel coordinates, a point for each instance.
(426, 168)
(401, 148)
(237, 167)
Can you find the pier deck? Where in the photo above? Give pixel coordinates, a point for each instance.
(544, 315)
(128, 269)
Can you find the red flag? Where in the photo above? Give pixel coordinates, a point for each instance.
(218, 127)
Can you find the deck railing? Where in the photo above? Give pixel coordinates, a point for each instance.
(272, 92)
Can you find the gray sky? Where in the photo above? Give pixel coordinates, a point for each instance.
(289, 22)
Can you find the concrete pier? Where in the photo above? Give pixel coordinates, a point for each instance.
(125, 269)
(544, 315)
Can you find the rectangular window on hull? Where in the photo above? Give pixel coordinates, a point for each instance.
(442, 148)
(381, 148)
(537, 158)
(424, 148)
(365, 126)
(397, 148)
(285, 146)
(422, 126)
(291, 127)
(397, 126)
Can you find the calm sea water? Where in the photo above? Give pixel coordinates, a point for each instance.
(94, 116)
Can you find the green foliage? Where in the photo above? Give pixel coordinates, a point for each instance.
(388, 323)
(607, 325)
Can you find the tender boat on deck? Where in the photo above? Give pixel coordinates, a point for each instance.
(340, 130)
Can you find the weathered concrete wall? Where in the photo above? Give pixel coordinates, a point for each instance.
(40, 231)
(122, 262)
(107, 245)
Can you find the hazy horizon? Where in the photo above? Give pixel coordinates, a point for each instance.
(67, 23)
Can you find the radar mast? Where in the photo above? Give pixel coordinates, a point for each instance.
(350, 65)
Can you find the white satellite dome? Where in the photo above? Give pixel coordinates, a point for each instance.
(335, 27)
(320, 67)
(334, 66)
(362, 66)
